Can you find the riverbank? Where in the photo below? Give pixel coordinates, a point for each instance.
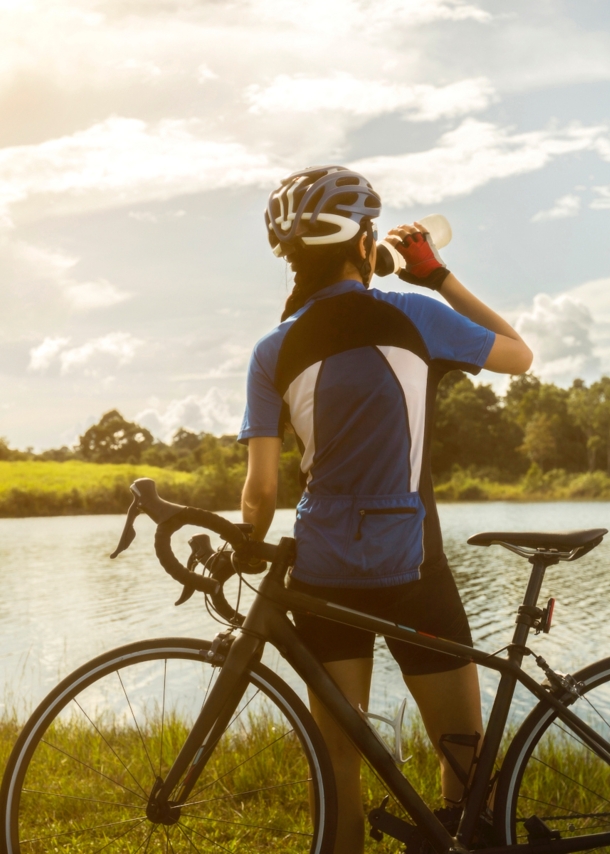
(73, 488)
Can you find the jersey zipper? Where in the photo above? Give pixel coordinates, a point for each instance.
(380, 511)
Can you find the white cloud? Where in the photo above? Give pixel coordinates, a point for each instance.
(559, 331)
(205, 74)
(118, 347)
(39, 285)
(42, 356)
(344, 93)
(347, 15)
(123, 161)
(471, 156)
(219, 411)
(150, 217)
(602, 202)
(568, 205)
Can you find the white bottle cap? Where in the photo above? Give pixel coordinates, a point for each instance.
(439, 228)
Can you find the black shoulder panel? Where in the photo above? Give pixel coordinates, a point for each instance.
(340, 323)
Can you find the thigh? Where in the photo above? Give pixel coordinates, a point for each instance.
(431, 605)
(330, 641)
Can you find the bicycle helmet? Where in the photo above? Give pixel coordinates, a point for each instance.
(319, 205)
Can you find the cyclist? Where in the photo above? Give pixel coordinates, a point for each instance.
(353, 372)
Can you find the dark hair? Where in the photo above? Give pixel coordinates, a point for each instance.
(317, 267)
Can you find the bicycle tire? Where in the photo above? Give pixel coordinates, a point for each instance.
(549, 772)
(79, 776)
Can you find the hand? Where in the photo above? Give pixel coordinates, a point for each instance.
(424, 266)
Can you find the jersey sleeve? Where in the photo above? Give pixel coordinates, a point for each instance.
(263, 415)
(447, 334)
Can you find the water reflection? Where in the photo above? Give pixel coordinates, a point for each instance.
(64, 601)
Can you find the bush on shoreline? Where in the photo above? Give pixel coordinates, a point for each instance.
(74, 488)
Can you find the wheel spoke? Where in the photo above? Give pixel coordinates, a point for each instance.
(120, 836)
(162, 715)
(80, 798)
(80, 830)
(243, 762)
(250, 792)
(91, 759)
(107, 743)
(95, 770)
(246, 824)
(571, 779)
(152, 768)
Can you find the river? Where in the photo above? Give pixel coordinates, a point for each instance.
(63, 601)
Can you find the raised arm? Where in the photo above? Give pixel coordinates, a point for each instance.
(509, 354)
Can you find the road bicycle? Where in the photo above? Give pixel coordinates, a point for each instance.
(182, 745)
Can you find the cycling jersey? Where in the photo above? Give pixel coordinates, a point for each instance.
(355, 373)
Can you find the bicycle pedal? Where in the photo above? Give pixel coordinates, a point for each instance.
(382, 822)
(538, 830)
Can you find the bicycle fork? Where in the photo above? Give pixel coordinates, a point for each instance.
(211, 722)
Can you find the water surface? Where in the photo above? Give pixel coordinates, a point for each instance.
(63, 601)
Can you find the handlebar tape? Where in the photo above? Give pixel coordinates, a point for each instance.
(203, 519)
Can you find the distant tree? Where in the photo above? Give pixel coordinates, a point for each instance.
(540, 442)
(526, 401)
(472, 429)
(600, 392)
(114, 440)
(582, 407)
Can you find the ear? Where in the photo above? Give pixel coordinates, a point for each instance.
(362, 246)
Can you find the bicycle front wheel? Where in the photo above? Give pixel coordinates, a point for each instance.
(550, 773)
(79, 777)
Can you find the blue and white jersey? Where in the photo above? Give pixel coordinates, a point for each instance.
(355, 373)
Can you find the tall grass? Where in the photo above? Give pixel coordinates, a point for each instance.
(64, 808)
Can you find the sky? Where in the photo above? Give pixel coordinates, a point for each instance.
(139, 140)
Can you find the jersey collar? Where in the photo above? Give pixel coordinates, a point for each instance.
(343, 287)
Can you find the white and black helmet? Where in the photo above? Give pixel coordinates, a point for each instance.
(319, 205)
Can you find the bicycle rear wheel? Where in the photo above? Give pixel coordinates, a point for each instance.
(550, 773)
(79, 777)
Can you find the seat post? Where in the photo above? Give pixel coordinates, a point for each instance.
(499, 713)
(539, 564)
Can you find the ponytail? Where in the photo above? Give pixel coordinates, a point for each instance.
(317, 267)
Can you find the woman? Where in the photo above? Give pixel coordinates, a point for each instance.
(354, 371)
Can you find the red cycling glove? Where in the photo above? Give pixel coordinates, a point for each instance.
(424, 265)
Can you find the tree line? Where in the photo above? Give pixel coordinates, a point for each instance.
(536, 427)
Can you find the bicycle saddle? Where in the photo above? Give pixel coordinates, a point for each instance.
(560, 542)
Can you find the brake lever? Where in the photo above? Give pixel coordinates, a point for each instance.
(129, 532)
(201, 551)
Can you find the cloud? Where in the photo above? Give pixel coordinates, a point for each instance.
(219, 411)
(150, 217)
(123, 161)
(205, 74)
(39, 287)
(559, 331)
(343, 92)
(603, 200)
(117, 347)
(471, 156)
(352, 14)
(565, 206)
(42, 356)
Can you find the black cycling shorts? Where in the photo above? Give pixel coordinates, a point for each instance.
(431, 605)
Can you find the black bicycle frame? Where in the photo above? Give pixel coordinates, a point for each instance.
(267, 621)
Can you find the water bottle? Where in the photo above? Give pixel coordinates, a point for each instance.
(391, 261)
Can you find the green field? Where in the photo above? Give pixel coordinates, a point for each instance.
(32, 488)
(43, 488)
(57, 803)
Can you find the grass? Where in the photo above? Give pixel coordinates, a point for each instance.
(277, 761)
(65, 809)
(32, 488)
